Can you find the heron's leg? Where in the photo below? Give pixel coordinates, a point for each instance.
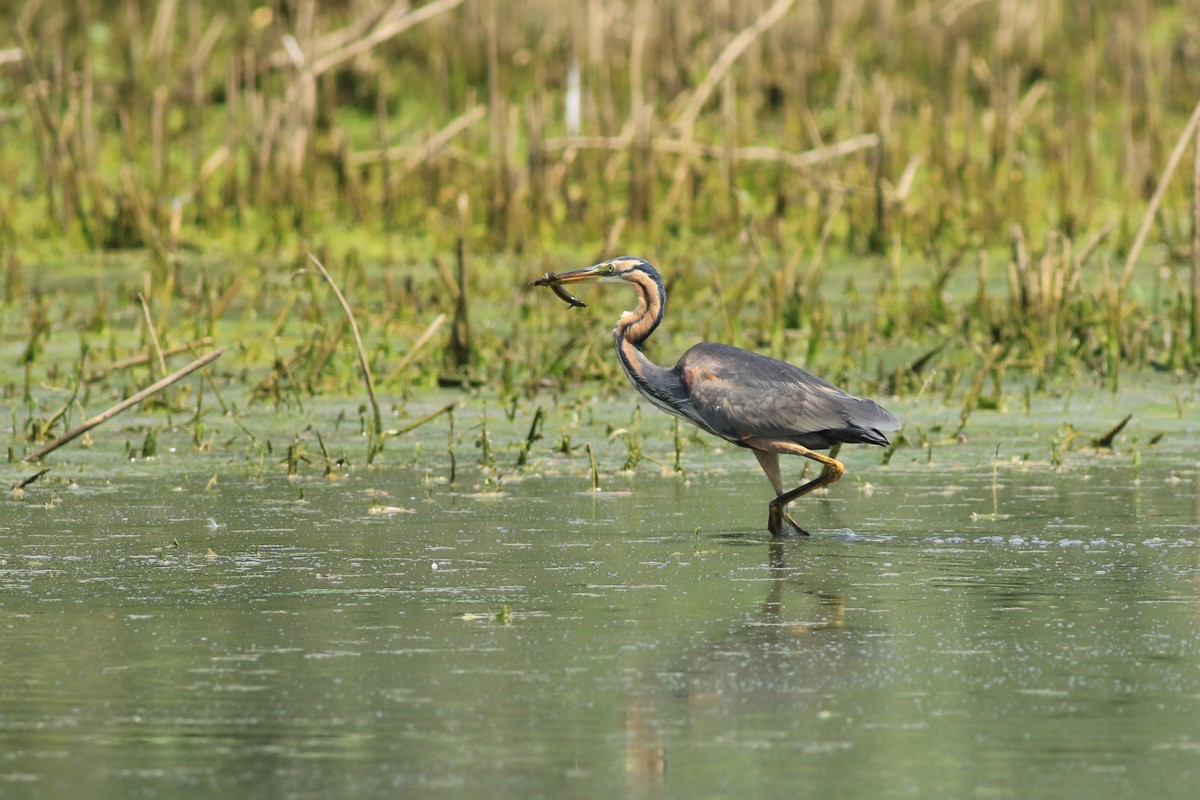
(769, 461)
(833, 454)
(831, 472)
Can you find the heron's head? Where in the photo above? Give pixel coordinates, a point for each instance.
(632, 326)
(625, 268)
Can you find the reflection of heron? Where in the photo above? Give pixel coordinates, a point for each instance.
(745, 398)
(773, 669)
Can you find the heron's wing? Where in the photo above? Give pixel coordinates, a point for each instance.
(740, 395)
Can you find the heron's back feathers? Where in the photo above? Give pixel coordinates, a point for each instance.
(738, 394)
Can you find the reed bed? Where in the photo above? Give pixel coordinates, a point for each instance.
(962, 190)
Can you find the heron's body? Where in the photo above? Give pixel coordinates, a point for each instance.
(751, 400)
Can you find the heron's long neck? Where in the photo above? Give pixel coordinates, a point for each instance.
(659, 384)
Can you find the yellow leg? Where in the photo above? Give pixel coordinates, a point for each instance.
(769, 461)
(767, 452)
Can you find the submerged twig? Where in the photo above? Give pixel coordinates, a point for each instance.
(592, 465)
(1106, 441)
(420, 421)
(535, 433)
(133, 400)
(31, 479)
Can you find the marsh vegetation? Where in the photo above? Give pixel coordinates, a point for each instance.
(909, 198)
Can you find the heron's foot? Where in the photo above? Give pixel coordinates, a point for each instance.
(781, 525)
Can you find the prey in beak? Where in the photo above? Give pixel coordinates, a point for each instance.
(614, 270)
(555, 282)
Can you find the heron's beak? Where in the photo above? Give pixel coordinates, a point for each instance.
(591, 273)
(556, 281)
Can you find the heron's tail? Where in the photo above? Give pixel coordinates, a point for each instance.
(870, 420)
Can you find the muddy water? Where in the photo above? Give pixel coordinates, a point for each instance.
(967, 621)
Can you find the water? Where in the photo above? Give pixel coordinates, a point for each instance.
(966, 623)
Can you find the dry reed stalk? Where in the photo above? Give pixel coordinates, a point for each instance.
(460, 331)
(227, 297)
(88, 139)
(298, 111)
(1057, 272)
(381, 133)
(138, 206)
(127, 403)
(446, 409)
(230, 189)
(637, 54)
(57, 166)
(430, 148)
(448, 280)
(535, 115)
(970, 400)
(357, 29)
(417, 346)
(1093, 242)
(818, 256)
(363, 363)
(641, 166)
(803, 160)
(729, 143)
(685, 121)
(158, 139)
(142, 358)
(389, 28)
(160, 34)
(1160, 191)
(1038, 282)
(611, 239)
(214, 162)
(879, 236)
(498, 194)
(152, 334)
(202, 49)
(1196, 250)
(903, 188)
(1019, 286)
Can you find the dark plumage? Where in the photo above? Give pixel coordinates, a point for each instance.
(751, 400)
(739, 395)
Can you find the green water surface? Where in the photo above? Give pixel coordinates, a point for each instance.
(967, 621)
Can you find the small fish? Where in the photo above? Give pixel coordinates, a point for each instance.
(567, 297)
(548, 280)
